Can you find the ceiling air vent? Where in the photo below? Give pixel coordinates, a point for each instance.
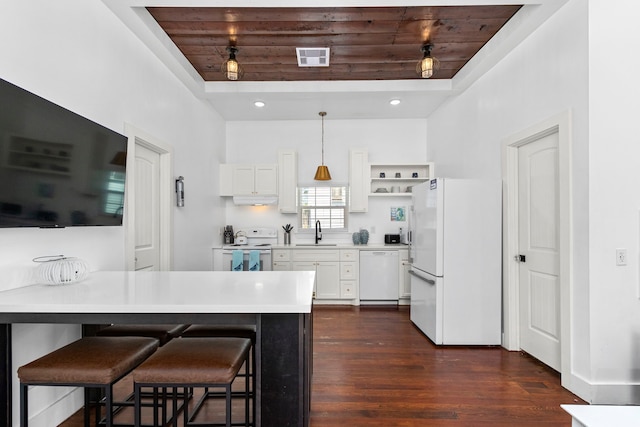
(313, 56)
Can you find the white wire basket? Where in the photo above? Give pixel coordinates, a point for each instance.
(60, 270)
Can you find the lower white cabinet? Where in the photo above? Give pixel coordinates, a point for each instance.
(326, 264)
(405, 278)
(281, 260)
(337, 271)
(349, 267)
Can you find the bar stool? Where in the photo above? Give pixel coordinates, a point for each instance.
(217, 331)
(163, 333)
(194, 363)
(239, 331)
(91, 362)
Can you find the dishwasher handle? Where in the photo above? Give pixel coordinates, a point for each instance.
(429, 281)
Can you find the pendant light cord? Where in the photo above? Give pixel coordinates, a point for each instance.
(322, 114)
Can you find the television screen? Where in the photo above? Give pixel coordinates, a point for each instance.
(57, 169)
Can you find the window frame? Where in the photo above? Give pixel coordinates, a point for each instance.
(325, 227)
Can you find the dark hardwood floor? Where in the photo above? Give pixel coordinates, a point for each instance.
(373, 368)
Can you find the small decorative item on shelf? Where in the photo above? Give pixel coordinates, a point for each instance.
(58, 269)
(364, 237)
(356, 238)
(382, 175)
(398, 175)
(414, 175)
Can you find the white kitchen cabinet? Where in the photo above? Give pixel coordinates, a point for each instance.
(405, 278)
(248, 179)
(281, 260)
(326, 264)
(349, 262)
(255, 180)
(287, 181)
(385, 179)
(359, 183)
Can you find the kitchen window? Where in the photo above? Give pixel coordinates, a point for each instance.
(325, 203)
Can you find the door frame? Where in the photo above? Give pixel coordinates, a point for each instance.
(561, 124)
(138, 137)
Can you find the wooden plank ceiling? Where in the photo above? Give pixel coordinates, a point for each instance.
(367, 43)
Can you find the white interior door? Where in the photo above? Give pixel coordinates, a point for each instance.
(147, 208)
(539, 272)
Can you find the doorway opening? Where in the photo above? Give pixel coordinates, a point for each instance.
(149, 172)
(557, 127)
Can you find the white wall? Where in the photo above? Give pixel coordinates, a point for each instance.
(76, 53)
(561, 67)
(388, 141)
(614, 178)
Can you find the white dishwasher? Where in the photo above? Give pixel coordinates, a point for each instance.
(379, 276)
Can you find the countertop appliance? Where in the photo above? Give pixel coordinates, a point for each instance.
(247, 240)
(379, 277)
(391, 238)
(456, 285)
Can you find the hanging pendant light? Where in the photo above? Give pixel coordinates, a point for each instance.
(322, 174)
(428, 65)
(231, 68)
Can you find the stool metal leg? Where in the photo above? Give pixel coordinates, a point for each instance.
(24, 405)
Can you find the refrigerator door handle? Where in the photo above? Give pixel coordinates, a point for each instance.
(429, 281)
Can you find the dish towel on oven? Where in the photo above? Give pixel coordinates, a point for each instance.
(237, 260)
(254, 260)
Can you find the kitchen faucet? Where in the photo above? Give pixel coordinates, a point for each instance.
(318, 231)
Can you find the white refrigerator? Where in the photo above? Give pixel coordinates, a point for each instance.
(456, 261)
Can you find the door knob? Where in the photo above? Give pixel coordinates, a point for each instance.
(520, 258)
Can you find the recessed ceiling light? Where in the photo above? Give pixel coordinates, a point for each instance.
(394, 102)
(259, 104)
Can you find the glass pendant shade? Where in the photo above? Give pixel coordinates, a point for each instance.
(322, 173)
(428, 65)
(231, 68)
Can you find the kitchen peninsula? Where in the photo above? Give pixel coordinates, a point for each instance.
(277, 303)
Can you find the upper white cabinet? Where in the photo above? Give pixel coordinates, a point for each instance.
(255, 180)
(397, 179)
(358, 180)
(249, 180)
(287, 180)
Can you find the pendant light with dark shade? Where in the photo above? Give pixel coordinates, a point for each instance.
(322, 174)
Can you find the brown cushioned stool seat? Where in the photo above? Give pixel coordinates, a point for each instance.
(163, 333)
(195, 362)
(91, 362)
(240, 331)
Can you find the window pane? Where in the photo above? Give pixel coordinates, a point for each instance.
(326, 204)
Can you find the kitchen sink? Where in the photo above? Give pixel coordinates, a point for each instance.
(316, 244)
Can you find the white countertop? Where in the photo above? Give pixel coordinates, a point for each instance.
(169, 292)
(604, 415)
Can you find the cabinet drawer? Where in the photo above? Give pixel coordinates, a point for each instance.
(316, 255)
(348, 289)
(349, 255)
(281, 254)
(348, 271)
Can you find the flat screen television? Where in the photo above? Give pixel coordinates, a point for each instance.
(57, 168)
